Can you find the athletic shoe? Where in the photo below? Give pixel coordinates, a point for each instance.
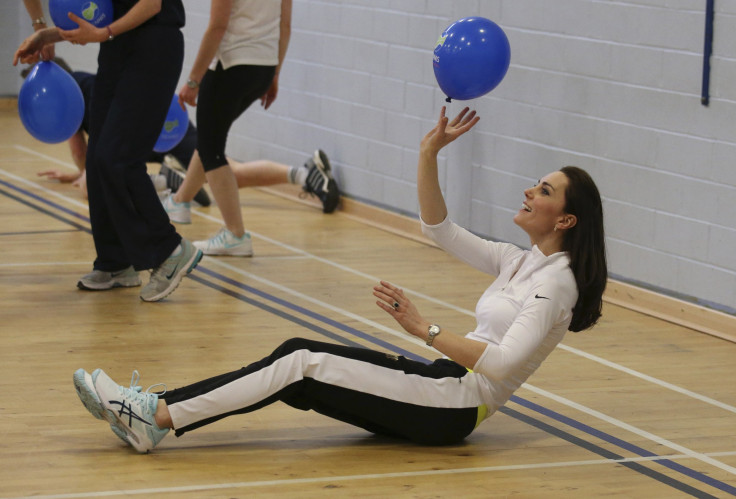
(82, 382)
(320, 181)
(162, 195)
(166, 277)
(99, 280)
(159, 181)
(226, 243)
(129, 411)
(174, 179)
(180, 213)
(173, 163)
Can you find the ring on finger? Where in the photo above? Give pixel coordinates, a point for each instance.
(396, 305)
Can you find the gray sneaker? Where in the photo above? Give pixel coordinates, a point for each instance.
(166, 277)
(99, 280)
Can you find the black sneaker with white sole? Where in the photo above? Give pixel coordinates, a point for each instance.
(174, 179)
(320, 182)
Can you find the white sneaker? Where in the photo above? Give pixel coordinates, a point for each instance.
(180, 213)
(130, 412)
(226, 243)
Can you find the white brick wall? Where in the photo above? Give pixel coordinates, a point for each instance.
(613, 87)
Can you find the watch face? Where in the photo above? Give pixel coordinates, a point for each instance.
(434, 329)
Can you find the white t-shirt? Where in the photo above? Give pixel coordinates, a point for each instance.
(252, 35)
(522, 316)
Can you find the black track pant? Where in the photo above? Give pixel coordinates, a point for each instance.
(433, 404)
(136, 78)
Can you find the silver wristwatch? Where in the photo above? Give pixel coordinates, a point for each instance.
(434, 330)
(192, 84)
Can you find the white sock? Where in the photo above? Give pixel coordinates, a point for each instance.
(298, 175)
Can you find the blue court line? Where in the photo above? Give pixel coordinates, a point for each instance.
(549, 413)
(274, 311)
(42, 209)
(47, 202)
(668, 463)
(313, 315)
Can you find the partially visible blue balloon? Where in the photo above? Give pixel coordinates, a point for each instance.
(174, 129)
(471, 58)
(97, 12)
(50, 103)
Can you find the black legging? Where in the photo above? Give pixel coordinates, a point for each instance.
(224, 95)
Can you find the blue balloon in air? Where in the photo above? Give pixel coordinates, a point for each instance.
(471, 58)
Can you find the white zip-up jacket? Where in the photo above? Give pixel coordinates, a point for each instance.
(522, 315)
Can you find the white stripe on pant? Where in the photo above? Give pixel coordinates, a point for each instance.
(382, 393)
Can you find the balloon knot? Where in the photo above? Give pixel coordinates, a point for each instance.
(449, 99)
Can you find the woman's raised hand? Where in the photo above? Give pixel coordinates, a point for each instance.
(446, 131)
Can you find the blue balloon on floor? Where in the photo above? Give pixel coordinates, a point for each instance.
(98, 12)
(175, 127)
(471, 58)
(50, 103)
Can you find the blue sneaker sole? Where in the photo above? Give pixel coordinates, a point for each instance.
(85, 390)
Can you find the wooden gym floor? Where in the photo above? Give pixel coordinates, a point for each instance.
(637, 407)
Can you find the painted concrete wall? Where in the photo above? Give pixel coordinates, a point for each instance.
(613, 87)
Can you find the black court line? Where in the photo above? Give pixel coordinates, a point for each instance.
(549, 429)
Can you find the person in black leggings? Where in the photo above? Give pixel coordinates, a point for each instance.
(139, 62)
(238, 62)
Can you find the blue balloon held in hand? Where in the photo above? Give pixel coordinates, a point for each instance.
(471, 58)
(50, 103)
(97, 12)
(174, 129)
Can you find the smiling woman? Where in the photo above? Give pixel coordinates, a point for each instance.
(543, 213)
(521, 318)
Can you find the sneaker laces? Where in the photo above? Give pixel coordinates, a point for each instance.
(218, 238)
(135, 387)
(317, 181)
(165, 266)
